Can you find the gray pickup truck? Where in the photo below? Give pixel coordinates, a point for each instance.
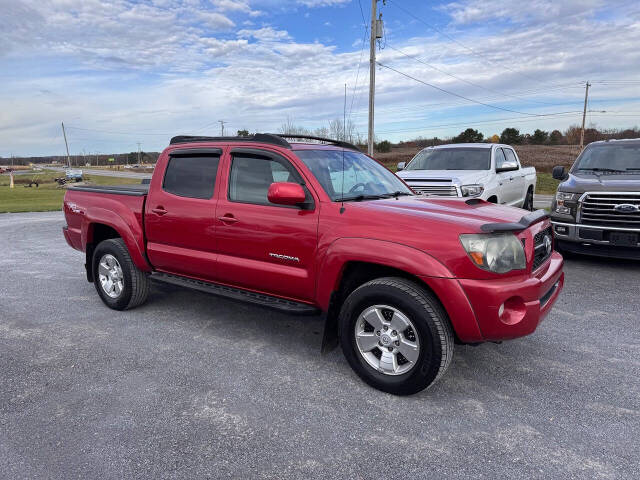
(596, 209)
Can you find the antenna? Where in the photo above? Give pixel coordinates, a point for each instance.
(344, 137)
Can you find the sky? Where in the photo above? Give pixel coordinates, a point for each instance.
(119, 72)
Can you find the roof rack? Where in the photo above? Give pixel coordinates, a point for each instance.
(271, 138)
(258, 137)
(337, 143)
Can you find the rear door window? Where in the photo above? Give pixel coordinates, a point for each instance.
(191, 176)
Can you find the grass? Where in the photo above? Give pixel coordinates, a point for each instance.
(546, 185)
(47, 197)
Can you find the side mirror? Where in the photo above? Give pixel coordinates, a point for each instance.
(286, 193)
(507, 167)
(559, 173)
(401, 165)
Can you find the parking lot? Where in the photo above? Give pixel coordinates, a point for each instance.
(191, 385)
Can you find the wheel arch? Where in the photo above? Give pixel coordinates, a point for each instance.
(349, 263)
(101, 224)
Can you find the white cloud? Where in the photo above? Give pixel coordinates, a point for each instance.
(264, 34)
(474, 11)
(322, 3)
(215, 20)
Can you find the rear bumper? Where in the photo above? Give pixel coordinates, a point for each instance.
(73, 237)
(502, 309)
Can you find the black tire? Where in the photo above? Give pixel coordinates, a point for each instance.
(136, 283)
(425, 312)
(528, 200)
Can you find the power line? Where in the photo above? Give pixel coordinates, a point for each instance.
(461, 79)
(355, 86)
(460, 43)
(479, 122)
(456, 94)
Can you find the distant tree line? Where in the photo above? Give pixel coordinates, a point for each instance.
(512, 136)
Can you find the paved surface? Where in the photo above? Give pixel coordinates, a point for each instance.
(542, 201)
(106, 173)
(193, 386)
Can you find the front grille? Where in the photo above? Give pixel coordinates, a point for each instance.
(541, 252)
(439, 190)
(604, 209)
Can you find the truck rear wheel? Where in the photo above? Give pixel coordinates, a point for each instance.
(120, 284)
(395, 335)
(528, 200)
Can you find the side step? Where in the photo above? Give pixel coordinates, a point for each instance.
(269, 301)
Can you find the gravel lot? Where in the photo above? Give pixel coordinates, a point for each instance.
(193, 386)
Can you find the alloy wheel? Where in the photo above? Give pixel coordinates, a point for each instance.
(387, 340)
(110, 276)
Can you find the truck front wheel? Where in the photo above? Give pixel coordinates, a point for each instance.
(395, 335)
(120, 284)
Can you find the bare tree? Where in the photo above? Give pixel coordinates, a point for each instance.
(289, 127)
(341, 131)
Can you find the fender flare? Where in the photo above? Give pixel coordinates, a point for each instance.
(389, 254)
(426, 268)
(122, 220)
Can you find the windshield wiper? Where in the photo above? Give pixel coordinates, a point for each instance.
(359, 198)
(597, 169)
(632, 168)
(396, 194)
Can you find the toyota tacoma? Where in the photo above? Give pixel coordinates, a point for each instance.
(314, 226)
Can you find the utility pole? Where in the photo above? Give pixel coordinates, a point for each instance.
(372, 73)
(584, 114)
(222, 122)
(138, 153)
(64, 134)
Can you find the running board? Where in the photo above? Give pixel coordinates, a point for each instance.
(288, 306)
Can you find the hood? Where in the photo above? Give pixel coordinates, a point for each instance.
(460, 177)
(438, 214)
(432, 225)
(598, 182)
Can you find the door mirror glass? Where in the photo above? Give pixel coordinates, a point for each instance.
(558, 173)
(286, 193)
(401, 165)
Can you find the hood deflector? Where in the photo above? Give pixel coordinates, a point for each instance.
(525, 222)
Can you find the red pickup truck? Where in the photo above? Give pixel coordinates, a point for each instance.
(313, 226)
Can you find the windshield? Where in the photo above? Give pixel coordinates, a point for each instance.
(610, 157)
(360, 179)
(452, 159)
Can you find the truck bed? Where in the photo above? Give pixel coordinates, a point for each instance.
(135, 190)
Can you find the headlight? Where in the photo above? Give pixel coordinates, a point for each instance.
(499, 253)
(562, 197)
(471, 190)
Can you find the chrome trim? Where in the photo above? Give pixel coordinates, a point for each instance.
(596, 227)
(581, 202)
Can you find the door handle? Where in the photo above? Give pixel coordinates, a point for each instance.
(228, 219)
(159, 210)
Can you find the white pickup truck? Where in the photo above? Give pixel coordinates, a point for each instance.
(484, 170)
